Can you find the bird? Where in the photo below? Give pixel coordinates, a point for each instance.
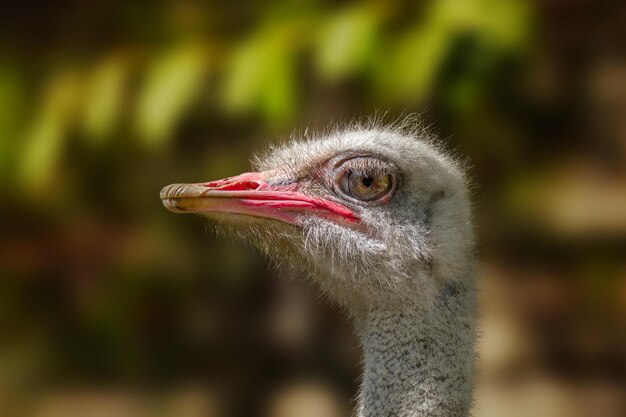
(380, 217)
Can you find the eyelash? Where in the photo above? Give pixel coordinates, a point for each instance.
(373, 171)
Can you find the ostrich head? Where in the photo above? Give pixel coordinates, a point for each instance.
(378, 215)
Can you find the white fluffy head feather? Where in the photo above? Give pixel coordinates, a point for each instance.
(411, 245)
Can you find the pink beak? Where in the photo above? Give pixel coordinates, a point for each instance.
(250, 194)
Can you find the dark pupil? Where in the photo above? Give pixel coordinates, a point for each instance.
(367, 181)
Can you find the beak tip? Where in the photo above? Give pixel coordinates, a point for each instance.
(167, 195)
(170, 204)
(163, 193)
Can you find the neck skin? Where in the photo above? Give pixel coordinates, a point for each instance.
(419, 363)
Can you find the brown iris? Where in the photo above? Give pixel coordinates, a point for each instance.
(364, 179)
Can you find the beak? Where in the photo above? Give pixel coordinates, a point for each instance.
(250, 194)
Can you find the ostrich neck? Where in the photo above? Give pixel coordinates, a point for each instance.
(419, 363)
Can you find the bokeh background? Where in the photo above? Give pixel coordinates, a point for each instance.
(111, 306)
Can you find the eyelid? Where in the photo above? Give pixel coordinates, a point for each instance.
(361, 162)
(342, 159)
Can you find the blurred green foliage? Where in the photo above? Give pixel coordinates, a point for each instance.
(399, 48)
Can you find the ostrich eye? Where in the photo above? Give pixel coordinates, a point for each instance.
(364, 180)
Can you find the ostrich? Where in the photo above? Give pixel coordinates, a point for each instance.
(379, 217)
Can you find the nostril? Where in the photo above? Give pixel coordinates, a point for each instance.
(251, 185)
(220, 183)
(233, 185)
